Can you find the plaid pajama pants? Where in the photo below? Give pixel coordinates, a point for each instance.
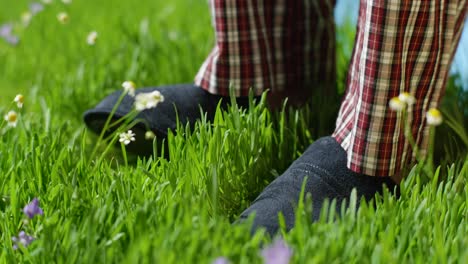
(287, 46)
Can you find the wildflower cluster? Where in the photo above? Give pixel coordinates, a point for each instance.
(402, 104)
(22, 239)
(7, 29)
(405, 100)
(11, 117)
(30, 211)
(143, 101)
(19, 100)
(402, 101)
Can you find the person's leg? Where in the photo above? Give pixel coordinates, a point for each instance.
(400, 46)
(283, 46)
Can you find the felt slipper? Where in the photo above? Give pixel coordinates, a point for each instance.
(324, 165)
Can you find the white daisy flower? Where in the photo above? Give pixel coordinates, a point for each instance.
(434, 117)
(127, 137)
(148, 100)
(91, 38)
(11, 118)
(407, 98)
(19, 100)
(63, 18)
(129, 87)
(396, 104)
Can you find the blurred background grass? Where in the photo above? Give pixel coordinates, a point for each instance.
(152, 42)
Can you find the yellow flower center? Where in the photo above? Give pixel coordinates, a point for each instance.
(434, 113)
(12, 117)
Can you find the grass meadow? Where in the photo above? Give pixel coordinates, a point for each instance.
(101, 208)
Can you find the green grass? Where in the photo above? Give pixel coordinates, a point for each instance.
(99, 210)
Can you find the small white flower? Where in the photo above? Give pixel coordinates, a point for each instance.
(129, 87)
(19, 100)
(149, 135)
(142, 102)
(127, 137)
(148, 100)
(63, 17)
(26, 18)
(396, 104)
(434, 117)
(67, 2)
(407, 98)
(91, 38)
(11, 118)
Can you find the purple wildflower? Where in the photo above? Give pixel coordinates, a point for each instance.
(277, 253)
(33, 208)
(35, 8)
(220, 260)
(23, 239)
(6, 29)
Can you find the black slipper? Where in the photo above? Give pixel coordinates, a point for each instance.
(181, 101)
(324, 165)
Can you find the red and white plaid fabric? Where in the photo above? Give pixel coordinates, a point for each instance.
(401, 46)
(287, 46)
